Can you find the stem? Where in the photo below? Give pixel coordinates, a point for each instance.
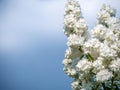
(82, 56)
(103, 84)
(112, 83)
(89, 57)
(80, 49)
(96, 87)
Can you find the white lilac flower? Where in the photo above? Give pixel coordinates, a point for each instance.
(77, 12)
(80, 26)
(72, 7)
(75, 85)
(84, 65)
(107, 52)
(70, 71)
(72, 54)
(71, 16)
(68, 52)
(69, 21)
(92, 47)
(114, 25)
(112, 21)
(67, 61)
(103, 75)
(105, 13)
(115, 65)
(99, 31)
(110, 36)
(74, 40)
(116, 46)
(93, 57)
(109, 9)
(102, 16)
(98, 64)
(73, 72)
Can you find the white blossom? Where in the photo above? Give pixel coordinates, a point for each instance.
(107, 52)
(68, 53)
(93, 57)
(75, 85)
(70, 71)
(98, 64)
(84, 65)
(115, 65)
(105, 13)
(102, 16)
(75, 40)
(110, 36)
(112, 21)
(92, 47)
(103, 75)
(99, 31)
(80, 26)
(71, 16)
(67, 61)
(69, 21)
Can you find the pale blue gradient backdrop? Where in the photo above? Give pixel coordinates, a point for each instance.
(32, 42)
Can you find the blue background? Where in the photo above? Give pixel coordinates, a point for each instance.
(32, 42)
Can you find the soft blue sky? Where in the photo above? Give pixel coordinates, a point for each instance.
(32, 43)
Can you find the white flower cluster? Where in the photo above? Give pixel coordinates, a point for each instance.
(93, 61)
(105, 13)
(73, 21)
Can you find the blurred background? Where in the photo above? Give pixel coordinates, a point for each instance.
(32, 42)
